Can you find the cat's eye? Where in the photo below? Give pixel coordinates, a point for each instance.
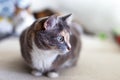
(60, 38)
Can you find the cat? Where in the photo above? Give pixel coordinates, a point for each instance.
(50, 44)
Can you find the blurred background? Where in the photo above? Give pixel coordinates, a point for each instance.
(98, 17)
(98, 21)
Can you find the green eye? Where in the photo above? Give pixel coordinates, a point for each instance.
(60, 38)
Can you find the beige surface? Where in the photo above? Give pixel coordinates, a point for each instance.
(99, 60)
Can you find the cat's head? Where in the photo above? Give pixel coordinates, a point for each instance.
(54, 33)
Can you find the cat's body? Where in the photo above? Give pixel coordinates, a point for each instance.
(43, 47)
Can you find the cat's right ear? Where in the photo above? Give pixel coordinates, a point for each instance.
(51, 22)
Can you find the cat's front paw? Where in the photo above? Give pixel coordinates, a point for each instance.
(36, 73)
(52, 74)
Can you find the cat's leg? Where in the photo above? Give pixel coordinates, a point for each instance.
(69, 63)
(74, 62)
(53, 74)
(36, 72)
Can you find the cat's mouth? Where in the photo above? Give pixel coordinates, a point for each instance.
(63, 52)
(66, 51)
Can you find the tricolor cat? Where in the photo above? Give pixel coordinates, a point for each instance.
(50, 44)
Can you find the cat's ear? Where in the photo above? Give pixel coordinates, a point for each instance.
(50, 22)
(67, 18)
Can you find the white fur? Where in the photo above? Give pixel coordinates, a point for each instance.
(53, 74)
(42, 59)
(36, 73)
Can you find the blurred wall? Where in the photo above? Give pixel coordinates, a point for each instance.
(96, 15)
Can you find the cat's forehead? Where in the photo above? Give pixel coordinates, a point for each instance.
(64, 32)
(57, 32)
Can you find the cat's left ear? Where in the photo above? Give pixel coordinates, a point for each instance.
(67, 18)
(51, 22)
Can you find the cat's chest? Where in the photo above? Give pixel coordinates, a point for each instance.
(42, 59)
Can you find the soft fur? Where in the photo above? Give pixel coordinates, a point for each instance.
(50, 44)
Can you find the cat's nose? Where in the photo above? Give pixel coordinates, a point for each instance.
(69, 48)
